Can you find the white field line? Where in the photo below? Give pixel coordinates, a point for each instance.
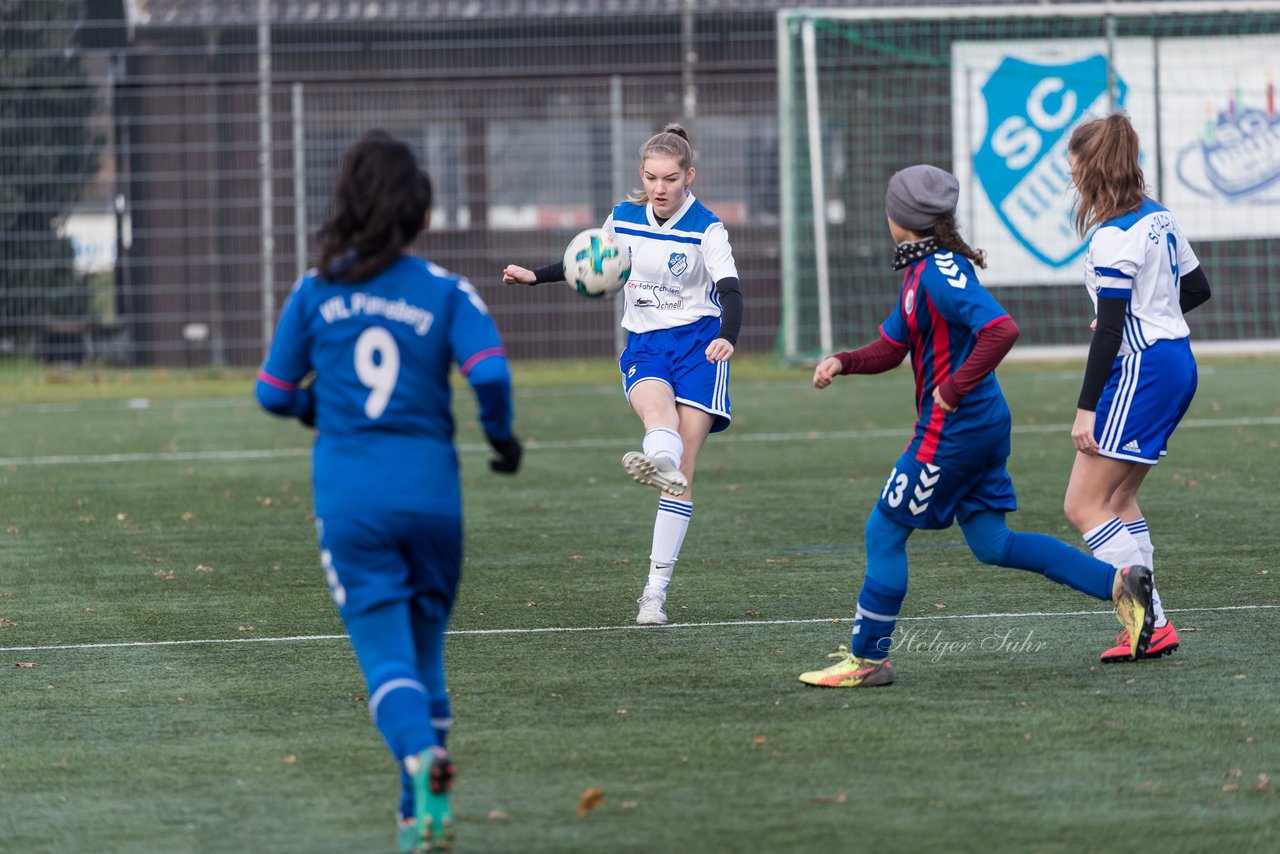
(579, 444)
(628, 627)
(521, 392)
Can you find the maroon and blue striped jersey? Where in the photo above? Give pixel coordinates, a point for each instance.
(940, 311)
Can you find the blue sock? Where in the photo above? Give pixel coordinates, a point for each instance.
(398, 706)
(883, 588)
(428, 640)
(398, 700)
(992, 542)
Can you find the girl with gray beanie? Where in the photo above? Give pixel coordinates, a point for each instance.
(954, 466)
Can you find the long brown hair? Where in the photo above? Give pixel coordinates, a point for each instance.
(1108, 177)
(380, 200)
(671, 141)
(947, 233)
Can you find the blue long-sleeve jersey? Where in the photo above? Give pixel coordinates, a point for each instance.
(381, 351)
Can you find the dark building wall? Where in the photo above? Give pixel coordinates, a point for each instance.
(194, 181)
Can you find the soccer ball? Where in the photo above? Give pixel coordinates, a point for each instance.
(595, 264)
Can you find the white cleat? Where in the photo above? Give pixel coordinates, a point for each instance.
(651, 612)
(654, 472)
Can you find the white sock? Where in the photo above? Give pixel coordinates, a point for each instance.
(1112, 542)
(1143, 536)
(669, 528)
(663, 443)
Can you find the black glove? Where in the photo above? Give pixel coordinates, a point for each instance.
(509, 452)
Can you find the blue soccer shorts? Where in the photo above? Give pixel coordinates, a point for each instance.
(678, 358)
(932, 495)
(391, 557)
(1145, 398)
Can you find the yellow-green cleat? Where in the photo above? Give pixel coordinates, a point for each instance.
(1133, 608)
(850, 672)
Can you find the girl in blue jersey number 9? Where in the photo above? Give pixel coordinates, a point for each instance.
(1141, 375)
(954, 465)
(683, 314)
(380, 330)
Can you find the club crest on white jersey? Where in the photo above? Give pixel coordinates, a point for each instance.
(674, 265)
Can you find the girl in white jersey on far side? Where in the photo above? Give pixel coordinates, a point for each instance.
(683, 314)
(1141, 374)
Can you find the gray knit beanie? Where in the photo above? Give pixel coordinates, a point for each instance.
(919, 196)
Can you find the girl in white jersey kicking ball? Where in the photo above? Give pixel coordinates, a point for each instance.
(1141, 375)
(683, 314)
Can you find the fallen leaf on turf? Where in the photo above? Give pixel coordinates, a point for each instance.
(288, 759)
(26, 664)
(620, 712)
(1263, 785)
(830, 799)
(589, 800)
(1234, 772)
(939, 606)
(758, 740)
(187, 517)
(1230, 787)
(122, 517)
(752, 613)
(12, 529)
(6, 624)
(629, 805)
(497, 815)
(203, 568)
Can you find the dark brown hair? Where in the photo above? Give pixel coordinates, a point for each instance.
(1107, 175)
(380, 200)
(947, 233)
(672, 141)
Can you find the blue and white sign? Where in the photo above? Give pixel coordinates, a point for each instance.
(1220, 128)
(1015, 106)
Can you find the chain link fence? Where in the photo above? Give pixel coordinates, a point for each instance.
(166, 163)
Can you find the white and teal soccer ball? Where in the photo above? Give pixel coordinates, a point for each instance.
(595, 264)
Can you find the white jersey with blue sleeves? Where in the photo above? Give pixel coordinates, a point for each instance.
(1140, 257)
(674, 265)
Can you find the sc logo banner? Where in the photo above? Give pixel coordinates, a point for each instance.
(1022, 162)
